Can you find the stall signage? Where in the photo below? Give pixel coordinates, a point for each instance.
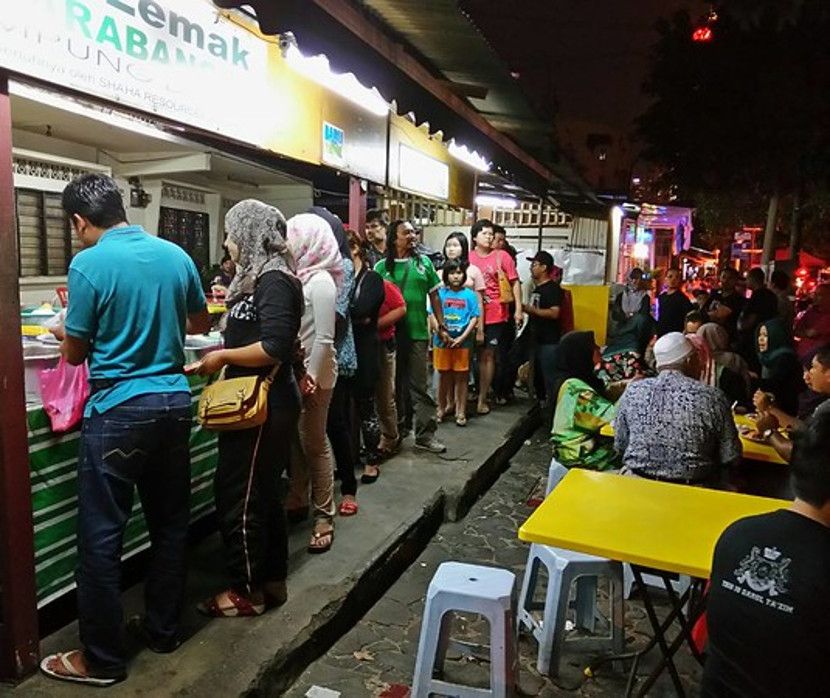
(422, 174)
(181, 59)
(333, 140)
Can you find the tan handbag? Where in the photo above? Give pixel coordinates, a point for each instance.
(505, 289)
(236, 403)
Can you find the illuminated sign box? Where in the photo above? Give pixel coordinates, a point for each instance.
(422, 174)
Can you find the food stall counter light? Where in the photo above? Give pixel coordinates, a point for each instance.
(471, 158)
(317, 68)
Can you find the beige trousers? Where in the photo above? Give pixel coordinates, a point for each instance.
(385, 400)
(315, 466)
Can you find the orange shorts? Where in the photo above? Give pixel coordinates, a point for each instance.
(451, 359)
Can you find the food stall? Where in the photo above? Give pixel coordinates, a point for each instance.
(53, 461)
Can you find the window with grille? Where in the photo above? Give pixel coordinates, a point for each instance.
(188, 229)
(44, 235)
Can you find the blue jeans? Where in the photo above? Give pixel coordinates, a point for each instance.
(545, 360)
(142, 443)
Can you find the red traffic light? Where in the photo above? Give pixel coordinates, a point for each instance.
(702, 34)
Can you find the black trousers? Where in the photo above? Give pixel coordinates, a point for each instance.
(249, 500)
(340, 429)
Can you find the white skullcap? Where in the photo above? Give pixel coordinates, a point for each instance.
(672, 348)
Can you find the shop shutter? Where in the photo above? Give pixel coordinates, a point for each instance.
(46, 244)
(29, 221)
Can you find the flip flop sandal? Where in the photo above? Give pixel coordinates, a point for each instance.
(348, 507)
(316, 536)
(70, 673)
(483, 410)
(461, 421)
(240, 607)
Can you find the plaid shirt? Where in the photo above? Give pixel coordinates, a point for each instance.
(675, 428)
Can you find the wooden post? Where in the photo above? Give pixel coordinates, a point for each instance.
(357, 205)
(18, 624)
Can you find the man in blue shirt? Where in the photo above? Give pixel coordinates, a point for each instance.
(132, 296)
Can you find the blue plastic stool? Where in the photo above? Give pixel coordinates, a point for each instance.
(487, 591)
(564, 567)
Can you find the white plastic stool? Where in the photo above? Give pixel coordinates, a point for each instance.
(487, 591)
(564, 567)
(563, 571)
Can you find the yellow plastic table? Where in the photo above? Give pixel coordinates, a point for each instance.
(752, 450)
(654, 524)
(667, 527)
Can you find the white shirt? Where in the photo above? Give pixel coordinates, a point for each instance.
(317, 329)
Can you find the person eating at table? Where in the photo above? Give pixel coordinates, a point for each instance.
(771, 417)
(768, 610)
(673, 427)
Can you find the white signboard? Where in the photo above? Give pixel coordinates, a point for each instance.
(422, 174)
(180, 59)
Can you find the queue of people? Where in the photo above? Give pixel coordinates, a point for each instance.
(334, 324)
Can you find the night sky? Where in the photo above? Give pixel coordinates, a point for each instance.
(584, 59)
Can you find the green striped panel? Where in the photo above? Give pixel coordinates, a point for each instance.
(53, 460)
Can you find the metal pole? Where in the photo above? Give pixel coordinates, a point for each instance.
(769, 232)
(18, 625)
(541, 222)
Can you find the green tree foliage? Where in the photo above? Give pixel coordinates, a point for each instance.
(747, 114)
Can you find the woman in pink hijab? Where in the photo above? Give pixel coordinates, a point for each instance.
(319, 266)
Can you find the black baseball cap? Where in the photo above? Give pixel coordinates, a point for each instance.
(543, 257)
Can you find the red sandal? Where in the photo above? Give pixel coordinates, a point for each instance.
(241, 607)
(348, 507)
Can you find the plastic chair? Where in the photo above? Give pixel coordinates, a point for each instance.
(564, 567)
(487, 591)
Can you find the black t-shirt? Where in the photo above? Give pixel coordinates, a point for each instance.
(544, 296)
(271, 315)
(672, 309)
(769, 609)
(763, 304)
(735, 302)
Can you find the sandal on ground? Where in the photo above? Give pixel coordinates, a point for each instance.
(368, 478)
(483, 410)
(348, 507)
(502, 401)
(461, 420)
(316, 547)
(240, 607)
(59, 666)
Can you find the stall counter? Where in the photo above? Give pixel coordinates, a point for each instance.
(53, 461)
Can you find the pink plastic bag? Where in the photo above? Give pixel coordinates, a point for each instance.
(64, 390)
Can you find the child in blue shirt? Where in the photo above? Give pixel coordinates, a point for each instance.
(452, 360)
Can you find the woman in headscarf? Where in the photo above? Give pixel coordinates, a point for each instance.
(320, 269)
(582, 407)
(624, 355)
(340, 424)
(265, 301)
(781, 371)
(730, 372)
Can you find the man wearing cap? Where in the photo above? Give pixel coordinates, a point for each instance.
(672, 427)
(543, 314)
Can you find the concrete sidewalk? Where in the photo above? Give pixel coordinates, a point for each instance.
(328, 594)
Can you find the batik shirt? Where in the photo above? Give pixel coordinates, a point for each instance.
(675, 428)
